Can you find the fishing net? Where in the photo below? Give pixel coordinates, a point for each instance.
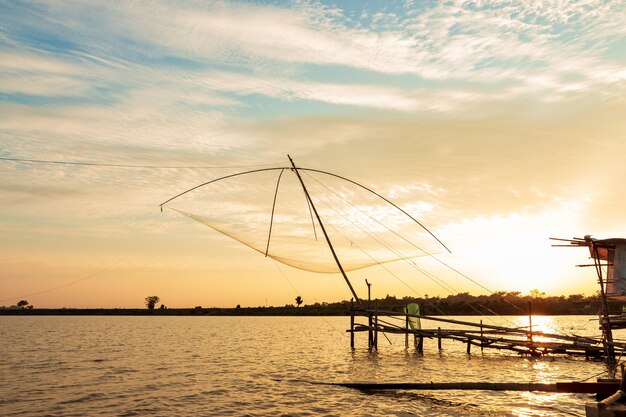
(268, 211)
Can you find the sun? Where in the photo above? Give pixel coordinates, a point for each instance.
(514, 253)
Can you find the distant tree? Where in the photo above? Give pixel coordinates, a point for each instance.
(238, 306)
(22, 303)
(575, 297)
(535, 293)
(162, 307)
(298, 301)
(151, 301)
(513, 294)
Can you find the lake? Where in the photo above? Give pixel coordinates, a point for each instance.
(262, 366)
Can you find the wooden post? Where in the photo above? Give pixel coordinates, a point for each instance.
(482, 342)
(370, 334)
(530, 327)
(530, 321)
(406, 335)
(469, 346)
(352, 323)
(420, 345)
(439, 337)
(376, 328)
(370, 337)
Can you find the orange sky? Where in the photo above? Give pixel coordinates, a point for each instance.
(495, 135)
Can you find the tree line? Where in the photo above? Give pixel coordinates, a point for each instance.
(498, 303)
(501, 303)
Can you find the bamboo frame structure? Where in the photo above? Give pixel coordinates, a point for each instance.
(603, 250)
(485, 336)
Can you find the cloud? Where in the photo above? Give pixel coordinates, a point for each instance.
(361, 95)
(459, 53)
(40, 75)
(23, 62)
(514, 44)
(43, 85)
(349, 94)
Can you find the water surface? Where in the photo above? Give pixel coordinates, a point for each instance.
(261, 366)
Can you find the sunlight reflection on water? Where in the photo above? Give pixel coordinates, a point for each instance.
(223, 366)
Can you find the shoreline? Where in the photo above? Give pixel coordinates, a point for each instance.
(463, 304)
(213, 311)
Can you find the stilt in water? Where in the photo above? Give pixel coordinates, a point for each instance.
(482, 342)
(406, 335)
(439, 338)
(376, 328)
(370, 334)
(352, 323)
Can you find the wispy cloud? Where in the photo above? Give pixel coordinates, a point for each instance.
(514, 49)
(40, 75)
(43, 63)
(361, 95)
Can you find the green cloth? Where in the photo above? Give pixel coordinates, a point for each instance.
(414, 322)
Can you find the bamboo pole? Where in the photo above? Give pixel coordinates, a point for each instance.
(562, 387)
(330, 245)
(488, 386)
(500, 328)
(352, 323)
(494, 337)
(521, 346)
(370, 335)
(376, 328)
(606, 321)
(406, 334)
(482, 344)
(439, 338)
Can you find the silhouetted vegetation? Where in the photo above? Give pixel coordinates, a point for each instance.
(501, 303)
(151, 301)
(298, 301)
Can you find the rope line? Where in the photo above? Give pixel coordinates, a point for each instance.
(100, 164)
(451, 290)
(106, 268)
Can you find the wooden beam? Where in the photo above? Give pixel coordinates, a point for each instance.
(563, 387)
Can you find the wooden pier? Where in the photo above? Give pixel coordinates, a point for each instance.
(521, 340)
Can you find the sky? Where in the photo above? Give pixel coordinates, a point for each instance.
(497, 124)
